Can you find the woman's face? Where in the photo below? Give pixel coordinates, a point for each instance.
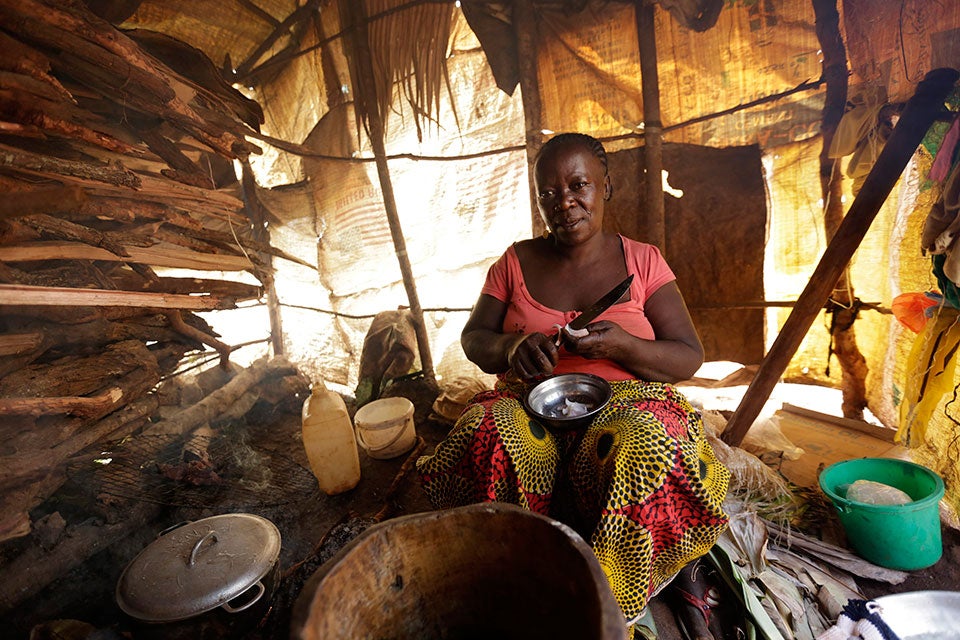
(571, 185)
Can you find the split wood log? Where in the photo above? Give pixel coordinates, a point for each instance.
(21, 104)
(214, 404)
(920, 112)
(183, 169)
(90, 48)
(16, 503)
(21, 58)
(160, 255)
(14, 343)
(81, 406)
(17, 294)
(63, 439)
(54, 200)
(22, 161)
(48, 226)
(237, 291)
(195, 68)
(36, 568)
(24, 89)
(127, 210)
(78, 376)
(92, 334)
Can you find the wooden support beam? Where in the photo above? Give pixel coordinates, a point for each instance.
(843, 307)
(652, 126)
(22, 294)
(920, 112)
(368, 104)
(255, 210)
(525, 29)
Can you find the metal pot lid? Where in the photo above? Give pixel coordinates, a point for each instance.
(198, 567)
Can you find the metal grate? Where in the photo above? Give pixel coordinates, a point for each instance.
(200, 472)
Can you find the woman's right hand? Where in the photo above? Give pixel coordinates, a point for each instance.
(532, 355)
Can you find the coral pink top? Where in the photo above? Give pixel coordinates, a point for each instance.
(526, 315)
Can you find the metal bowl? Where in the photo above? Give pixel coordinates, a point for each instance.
(919, 615)
(569, 400)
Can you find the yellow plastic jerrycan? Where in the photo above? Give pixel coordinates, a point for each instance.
(329, 441)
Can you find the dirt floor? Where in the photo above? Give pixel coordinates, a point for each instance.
(313, 528)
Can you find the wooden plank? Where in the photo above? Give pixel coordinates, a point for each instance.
(22, 294)
(881, 433)
(159, 255)
(824, 443)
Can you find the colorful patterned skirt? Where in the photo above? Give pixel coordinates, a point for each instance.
(641, 483)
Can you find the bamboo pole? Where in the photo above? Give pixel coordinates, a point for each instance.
(368, 105)
(920, 112)
(652, 127)
(525, 28)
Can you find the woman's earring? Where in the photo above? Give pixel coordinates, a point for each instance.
(545, 234)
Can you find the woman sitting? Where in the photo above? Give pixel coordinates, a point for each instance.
(640, 483)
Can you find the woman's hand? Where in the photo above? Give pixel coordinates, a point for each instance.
(604, 339)
(532, 355)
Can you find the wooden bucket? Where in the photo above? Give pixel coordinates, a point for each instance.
(482, 571)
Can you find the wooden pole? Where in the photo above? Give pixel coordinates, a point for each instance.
(262, 234)
(843, 306)
(525, 29)
(652, 127)
(920, 112)
(368, 105)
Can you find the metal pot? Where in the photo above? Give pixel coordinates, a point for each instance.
(228, 562)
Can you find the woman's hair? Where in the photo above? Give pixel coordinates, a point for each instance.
(591, 143)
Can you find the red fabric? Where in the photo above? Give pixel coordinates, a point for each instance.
(910, 310)
(526, 315)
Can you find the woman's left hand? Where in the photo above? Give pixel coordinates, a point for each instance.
(604, 339)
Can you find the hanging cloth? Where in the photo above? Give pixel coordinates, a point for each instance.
(930, 367)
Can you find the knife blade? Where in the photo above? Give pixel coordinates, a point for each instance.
(608, 300)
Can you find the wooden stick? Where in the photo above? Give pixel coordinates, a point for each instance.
(920, 112)
(21, 294)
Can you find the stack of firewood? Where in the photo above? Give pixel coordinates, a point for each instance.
(116, 160)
